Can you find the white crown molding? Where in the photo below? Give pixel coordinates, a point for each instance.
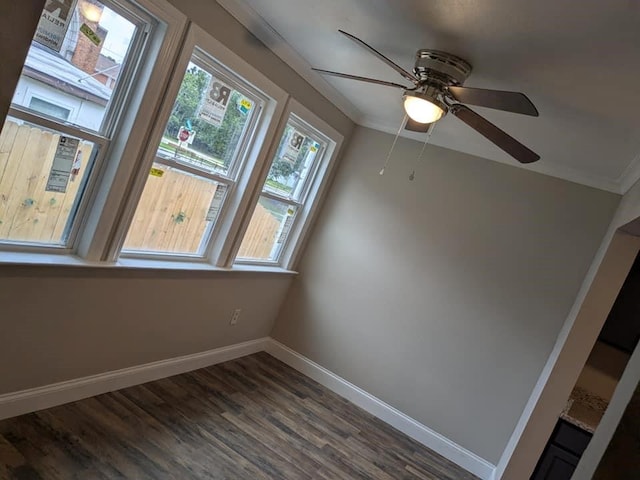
(33, 399)
(630, 176)
(407, 425)
(259, 27)
(569, 174)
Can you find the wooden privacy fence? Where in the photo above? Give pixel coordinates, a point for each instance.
(260, 236)
(171, 216)
(27, 211)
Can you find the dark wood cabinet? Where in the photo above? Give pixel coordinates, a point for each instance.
(622, 328)
(562, 453)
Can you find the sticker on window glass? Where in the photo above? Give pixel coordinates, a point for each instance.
(293, 146)
(62, 164)
(285, 229)
(244, 106)
(90, 34)
(156, 172)
(54, 23)
(185, 136)
(216, 203)
(214, 104)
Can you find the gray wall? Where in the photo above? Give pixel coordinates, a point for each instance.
(62, 323)
(443, 296)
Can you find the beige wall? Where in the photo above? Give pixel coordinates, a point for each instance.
(599, 290)
(610, 421)
(19, 21)
(629, 211)
(62, 323)
(443, 296)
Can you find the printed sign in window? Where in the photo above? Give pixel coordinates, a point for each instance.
(294, 144)
(62, 165)
(215, 102)
(54, 23)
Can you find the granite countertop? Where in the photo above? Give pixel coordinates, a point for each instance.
(584, 409)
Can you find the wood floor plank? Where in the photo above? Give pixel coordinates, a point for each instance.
(252, 418)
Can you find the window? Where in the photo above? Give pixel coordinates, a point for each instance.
(136, 138)
(42, 106)
(197, 161)
(207, 156)
(297, 173)
(47, 157)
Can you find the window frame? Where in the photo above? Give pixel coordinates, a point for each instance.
(146, 99)
(137, 12)
(120, 170)
(83, 204)
(312, 196)
(205, 62)
(225, 231)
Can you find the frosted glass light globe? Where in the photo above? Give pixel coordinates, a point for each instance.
(91, 12)
(422, 110)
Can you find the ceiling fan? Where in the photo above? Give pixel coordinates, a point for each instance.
(437, 89)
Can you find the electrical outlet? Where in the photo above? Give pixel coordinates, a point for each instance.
(235, 316)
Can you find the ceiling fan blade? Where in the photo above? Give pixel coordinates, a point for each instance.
(361, 79)
(414, 126)
(408, 75)
(494, 134)
(500, 100)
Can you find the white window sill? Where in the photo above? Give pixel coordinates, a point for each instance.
(49, 259)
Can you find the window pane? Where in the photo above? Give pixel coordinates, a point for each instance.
(42, 175)
(176, 212)
(75, 61)
(49, 108)
(209, 121)
(294, 162)
(268, 230)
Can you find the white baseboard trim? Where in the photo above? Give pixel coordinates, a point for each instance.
(407, 425)
(33, 399)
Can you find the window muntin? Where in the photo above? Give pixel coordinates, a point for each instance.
(205, 141)
(44, 181)
(293, 170)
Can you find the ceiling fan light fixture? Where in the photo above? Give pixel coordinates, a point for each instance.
(91, 11)
(423, 108)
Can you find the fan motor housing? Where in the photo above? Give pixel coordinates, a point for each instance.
(436, 64)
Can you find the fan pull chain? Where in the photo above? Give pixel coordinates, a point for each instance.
(402, 124)
(412, 176)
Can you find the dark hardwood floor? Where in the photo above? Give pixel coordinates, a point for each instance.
(252, 418)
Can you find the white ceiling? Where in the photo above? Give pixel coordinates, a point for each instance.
(579, 62)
